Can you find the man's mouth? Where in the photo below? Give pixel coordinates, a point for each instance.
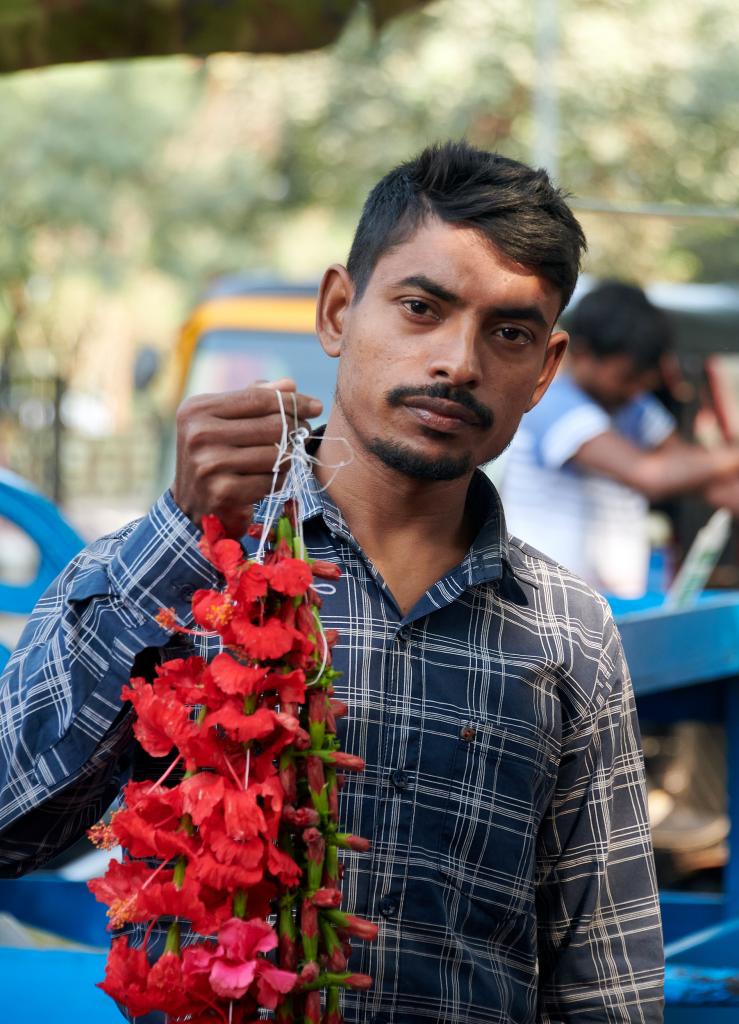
(441, 413)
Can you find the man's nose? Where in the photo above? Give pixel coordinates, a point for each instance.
(456, 357)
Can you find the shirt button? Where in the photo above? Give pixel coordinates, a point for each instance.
(403, 633)
(400, 779)
(187, 592)
(379, 1018)
(467, 733)
(388, 906)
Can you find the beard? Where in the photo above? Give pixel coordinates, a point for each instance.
(403, 459)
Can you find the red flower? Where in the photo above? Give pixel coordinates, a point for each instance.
(119, 888)
(244, 727)
(282, 866)
(242, 815)
(237, 867)
(221, 551)
(290, 686)
(201, 794)
(252, 583)
(161, 724)
(126, 974)
(213, 610)
(263, 643)
(290, 576)
(236, 679)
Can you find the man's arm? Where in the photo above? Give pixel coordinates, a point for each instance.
(600, 938)
(672, 468)
(65, 735)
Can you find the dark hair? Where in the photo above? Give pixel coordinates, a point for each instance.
(515, 206)
(616, 317)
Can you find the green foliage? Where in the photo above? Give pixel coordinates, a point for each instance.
(186, 167)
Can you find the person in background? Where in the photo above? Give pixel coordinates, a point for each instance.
(588, 460)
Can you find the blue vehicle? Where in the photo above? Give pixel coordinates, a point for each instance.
(45, 530)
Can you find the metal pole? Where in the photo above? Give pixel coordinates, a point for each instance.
(546, 98)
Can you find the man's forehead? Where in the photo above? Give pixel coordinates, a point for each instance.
(461, 260)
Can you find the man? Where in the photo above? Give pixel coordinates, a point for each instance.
(511, 867)
(589, 458)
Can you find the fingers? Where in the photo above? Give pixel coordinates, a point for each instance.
(251, 403)
(282, 384)
(200, 433)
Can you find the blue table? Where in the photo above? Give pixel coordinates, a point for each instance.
(685, 665)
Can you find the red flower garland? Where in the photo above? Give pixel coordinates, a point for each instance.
(253, 826)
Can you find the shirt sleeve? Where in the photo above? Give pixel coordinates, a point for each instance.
(600, 937)
(562, 422)
(655, 422)
(65, 735)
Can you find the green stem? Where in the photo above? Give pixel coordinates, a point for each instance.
(239, 903)
(172, 945)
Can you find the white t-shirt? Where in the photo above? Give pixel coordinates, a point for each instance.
(590, 523)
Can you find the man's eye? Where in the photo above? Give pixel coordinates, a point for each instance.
(514, 334)
(417, 306)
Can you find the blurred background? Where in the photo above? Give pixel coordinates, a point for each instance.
(127, 186)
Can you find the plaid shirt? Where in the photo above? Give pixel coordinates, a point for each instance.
(511, 867)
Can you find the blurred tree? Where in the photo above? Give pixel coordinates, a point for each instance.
(180, 168)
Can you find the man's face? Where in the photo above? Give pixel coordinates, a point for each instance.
(612, 380)
(449, 345)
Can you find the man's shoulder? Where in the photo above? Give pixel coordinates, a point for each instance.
(562, 592)
(563, 397)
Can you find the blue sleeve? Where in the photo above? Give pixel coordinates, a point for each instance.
(64, 731)
(646, 422)
(562, 422)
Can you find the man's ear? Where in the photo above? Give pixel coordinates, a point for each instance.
(556, 348)
(334, 299)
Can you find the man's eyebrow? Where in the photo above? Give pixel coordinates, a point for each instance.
(531, 312)
(429, 286)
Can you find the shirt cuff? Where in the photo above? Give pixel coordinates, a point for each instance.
(160, 566)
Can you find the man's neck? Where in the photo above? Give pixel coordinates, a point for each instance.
(412, 530)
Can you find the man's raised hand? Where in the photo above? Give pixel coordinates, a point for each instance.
(226, 449)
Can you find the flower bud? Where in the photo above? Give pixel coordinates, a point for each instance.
(349, 762)
(324, 898)
(312, 1012)
(359, 981)
(314, 774)
(300, 817)
(309, 973)
(351, 924)
(325, 570)
(347, 841)
(289, 779)
(301, 739)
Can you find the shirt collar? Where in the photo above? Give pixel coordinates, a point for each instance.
(489, 556)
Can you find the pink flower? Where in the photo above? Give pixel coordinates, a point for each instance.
(235, 963)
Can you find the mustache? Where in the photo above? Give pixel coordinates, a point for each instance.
(461, 396)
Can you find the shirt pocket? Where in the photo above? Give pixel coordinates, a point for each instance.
(501, 778)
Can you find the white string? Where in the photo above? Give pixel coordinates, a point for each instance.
(283, 453)
(292, 450)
